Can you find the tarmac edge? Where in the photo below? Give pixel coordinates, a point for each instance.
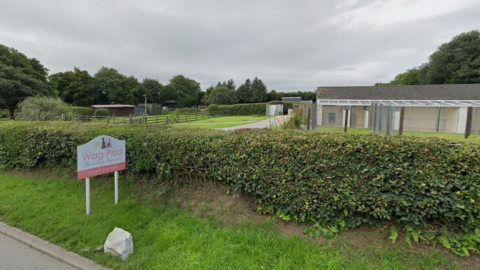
(50, 249)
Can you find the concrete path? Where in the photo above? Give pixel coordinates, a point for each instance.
(21, 250)
(274, 121)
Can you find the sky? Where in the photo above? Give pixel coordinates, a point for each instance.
(290, 45)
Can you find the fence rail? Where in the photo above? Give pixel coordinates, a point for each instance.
(160, 119)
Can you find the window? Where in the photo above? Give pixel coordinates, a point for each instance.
(331, 117)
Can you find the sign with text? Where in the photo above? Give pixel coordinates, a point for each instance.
(102, 155)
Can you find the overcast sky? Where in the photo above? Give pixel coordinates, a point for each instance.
(290, 45)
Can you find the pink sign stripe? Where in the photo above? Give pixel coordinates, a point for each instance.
(101, 170)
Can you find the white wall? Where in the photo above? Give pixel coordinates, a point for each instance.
(462, 120)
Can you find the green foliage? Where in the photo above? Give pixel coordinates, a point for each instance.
(44, 109)
(221, 95)
(455, 62)
(337, 181)
(83, 111)
(213, 108)
(253, 108)
(74, 87)
(20, 77)
(393, 234)
(102, 112)
(154, 88)
(167, 93)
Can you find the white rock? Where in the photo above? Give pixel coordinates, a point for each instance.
(119, 243)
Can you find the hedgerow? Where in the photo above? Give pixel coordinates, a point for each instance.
(429, 187)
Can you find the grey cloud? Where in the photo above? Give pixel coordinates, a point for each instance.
(290, 45)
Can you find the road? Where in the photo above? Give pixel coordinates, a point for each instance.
(274, 121)
(16, 255)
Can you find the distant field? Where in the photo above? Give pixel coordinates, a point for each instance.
(223, 121)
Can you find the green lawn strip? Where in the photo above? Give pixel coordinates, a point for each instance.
(451, 136)
(168, 237)
(223, 121)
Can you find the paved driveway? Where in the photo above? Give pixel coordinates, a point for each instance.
(274, 121)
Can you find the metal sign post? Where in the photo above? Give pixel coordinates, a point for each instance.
(102, 155)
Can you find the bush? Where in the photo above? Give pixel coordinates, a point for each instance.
(4, 114)
(335, 181)
(44, 109)
(102, 112)
(83, 111)
(213, 108)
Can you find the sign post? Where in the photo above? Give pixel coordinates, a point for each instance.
(102, 155)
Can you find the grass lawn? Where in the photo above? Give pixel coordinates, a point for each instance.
(168, 235)
(223, 121)
(450, 136)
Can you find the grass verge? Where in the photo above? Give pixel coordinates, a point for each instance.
(167, 236)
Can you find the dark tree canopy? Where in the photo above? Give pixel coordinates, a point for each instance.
(454, 62)
(113, 87)
(74, 87)
(188, 89)
(168, 93)
(259, 91)
(20, 77)
(154, 88)
(221, 95)
(244, 92)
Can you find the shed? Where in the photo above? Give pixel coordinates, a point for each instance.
(116, 109)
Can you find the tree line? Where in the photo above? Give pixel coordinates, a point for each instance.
(454, 62)
(21, 77)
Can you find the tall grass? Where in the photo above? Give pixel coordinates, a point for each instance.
(44, 109)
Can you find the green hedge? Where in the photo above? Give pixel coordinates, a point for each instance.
(102, 112)
(254, 108)
(334, 180)
(83, 111)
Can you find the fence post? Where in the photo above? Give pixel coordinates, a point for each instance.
(468, 127)
(309, 126)
(402, 117)
(346, 121)
(389, 113)
(375, 117)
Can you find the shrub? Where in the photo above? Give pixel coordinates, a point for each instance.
(44, 109)
(213, 108)
(83, 111)
(335, 181)
(4, 114)
(102, 112)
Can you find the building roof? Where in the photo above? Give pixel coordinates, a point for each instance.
(113, 106)
(400, 103)
(437, 92)
(292, 99)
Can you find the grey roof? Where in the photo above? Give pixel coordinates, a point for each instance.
(292, 99)
(402, 92)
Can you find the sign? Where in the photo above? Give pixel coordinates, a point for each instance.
(102, 155)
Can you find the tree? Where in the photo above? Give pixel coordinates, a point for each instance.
(168, 93)
(454, 62)
(188, 89)
(244, 92)
(74, 87)
(20, 77)
(114, 88)
(259, 91)
(221, 95)
(273, 95)
(154, 88)
(185, 85)
(457, 61)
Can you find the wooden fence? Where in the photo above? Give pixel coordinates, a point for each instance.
(157, 119)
